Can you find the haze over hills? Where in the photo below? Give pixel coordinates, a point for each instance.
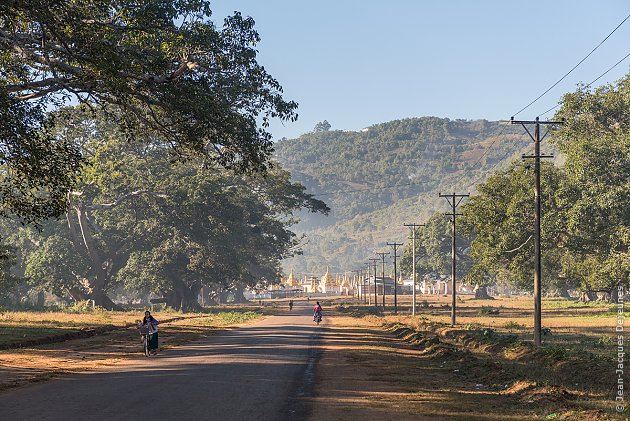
(385, 175)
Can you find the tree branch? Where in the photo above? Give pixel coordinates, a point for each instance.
(122, 198)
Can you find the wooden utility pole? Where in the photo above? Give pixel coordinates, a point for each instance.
(413, 264)
(374, 260)
(454, 200)
(537, 254)
(366, 284)
(395, 247)
(382, 254)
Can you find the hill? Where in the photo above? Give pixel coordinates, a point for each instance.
(385, 175)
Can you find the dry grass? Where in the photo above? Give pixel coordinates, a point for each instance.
(37, 363)
(571, 377)
(573, 325)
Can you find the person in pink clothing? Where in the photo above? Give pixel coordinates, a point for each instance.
(317, 311)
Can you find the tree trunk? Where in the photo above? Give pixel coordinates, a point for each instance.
(223, 297)
(183, 297)
(83, 242)
(564, 292)
(481, 293)
(78, 294)
(587, 296)
(41, 299)
(239, 297)
(614, 294)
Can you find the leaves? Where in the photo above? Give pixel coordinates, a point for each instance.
(160, 69)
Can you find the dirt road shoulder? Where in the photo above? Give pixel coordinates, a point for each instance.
(367, 373)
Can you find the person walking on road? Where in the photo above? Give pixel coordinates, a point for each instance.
(290, 305)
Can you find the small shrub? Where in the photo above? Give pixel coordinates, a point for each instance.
(606, 340)
(487, 311)
(488, 332)
(556, 353)
(86, 306)
(472, 326)
(512, 325)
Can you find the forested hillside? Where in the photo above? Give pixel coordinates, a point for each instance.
(385, 175)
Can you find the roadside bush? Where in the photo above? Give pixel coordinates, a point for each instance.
(83, 307)
(487, 311)
(556, 353)
(512, 325)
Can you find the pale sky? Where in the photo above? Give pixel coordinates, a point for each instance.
(357, 63)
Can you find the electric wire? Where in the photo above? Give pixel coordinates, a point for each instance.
(572, 69)
(459, 179)
(594, 80)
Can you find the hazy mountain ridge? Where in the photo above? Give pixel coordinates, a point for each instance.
(419, 157)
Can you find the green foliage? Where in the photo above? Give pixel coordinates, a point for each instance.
(596, 141)
(160, 68)
(141, 222)
(433, 249)
(83, 307)
(8, 281)
(555, 353)
(499, 220)
(585, 222)
(406, 154)
(56, 266)
(512, 325)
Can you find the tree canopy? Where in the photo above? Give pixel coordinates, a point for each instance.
(158, 67)
(141, 223)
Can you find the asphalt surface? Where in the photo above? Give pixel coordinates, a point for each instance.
(258, 372)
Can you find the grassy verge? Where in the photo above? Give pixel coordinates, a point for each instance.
(573, 373)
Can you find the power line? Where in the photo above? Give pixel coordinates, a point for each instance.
(370, 189)
(572, 69)
(594, 80)
(555, 106)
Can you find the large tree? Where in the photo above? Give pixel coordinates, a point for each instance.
(595, 139)
(160, 66)
(433, 249)
(499, 219)
(140, 220)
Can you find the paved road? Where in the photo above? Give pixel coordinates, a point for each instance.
(252, 373)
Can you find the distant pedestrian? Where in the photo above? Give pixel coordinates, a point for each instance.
(290, 305)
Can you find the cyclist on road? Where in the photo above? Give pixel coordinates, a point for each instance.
(317, 311)
(153, 330)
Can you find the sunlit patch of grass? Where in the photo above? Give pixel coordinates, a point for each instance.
(566, 303)
(227, 318)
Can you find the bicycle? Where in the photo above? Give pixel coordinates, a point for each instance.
(144, 332)
(318, 318)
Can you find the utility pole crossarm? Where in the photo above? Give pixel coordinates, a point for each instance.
(536, 156)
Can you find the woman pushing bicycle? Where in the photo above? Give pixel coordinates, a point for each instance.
(151, 323)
